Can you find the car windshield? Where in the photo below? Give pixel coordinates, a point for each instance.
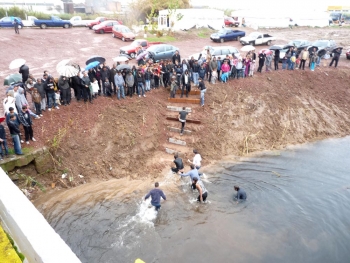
(295, 43)
(254, 34)
(222, 31)
(320, 43)
(135, 43)
(126, 30)
(56, 18)
(97, 18)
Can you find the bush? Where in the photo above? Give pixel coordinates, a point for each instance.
(159, 33)
(38, 15)
(16, 11)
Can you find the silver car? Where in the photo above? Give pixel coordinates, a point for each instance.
(220, 51)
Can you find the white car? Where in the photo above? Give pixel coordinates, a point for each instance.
(77, 21)
(219, 51)
(29, 21)
(257, 38)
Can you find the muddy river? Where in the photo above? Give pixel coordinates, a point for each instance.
(298, 210)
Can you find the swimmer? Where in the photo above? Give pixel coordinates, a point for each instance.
(156, 194)
(203, 193)
(241, 194)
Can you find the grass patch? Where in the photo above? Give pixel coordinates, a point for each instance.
(161, 39)
(204, 33)
(25, 150)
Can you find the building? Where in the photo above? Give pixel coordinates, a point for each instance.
(342, 9)
(45, 6)
(106, 6)
(184, 19)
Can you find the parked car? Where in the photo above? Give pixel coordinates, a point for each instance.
(161, 51)
(219, 51)
(96, 21)
(348, 54)
(282, 51)
(230, 21)
(257, 38)
(78, 21)
(105, 27)
(324, 45)
(299, 43)
(54, 21)
(227, 34)
(7, 21)
(30, 21)
(131, 49)
(335, 17)
(122, 32)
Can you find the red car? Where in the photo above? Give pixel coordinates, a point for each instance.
(229, 21)
(123, 32)
(105, 27)
(97, 21)
(348, 54)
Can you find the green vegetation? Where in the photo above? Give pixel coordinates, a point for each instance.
(161, 39)
(20, 255)
(24, 150)
(204, 33)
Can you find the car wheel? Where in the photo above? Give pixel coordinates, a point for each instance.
(43, 26)
(66, 26)
(222, 40)
(123, 39)
(268, 43)
(132, 55)
(102, 31)
(90, 27)
(231, 25)
(252, 43)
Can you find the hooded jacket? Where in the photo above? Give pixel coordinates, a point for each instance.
(130, 80)
(63, 83)
(20, 99)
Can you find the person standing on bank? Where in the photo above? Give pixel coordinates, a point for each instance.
(241, 194)
(336, 55)
(26, 121)
(156, 194)
(14, 131)
(182, 118)
(178, 163)
(186, 83)
(203, 89)
(16, 24)
(203, 193)
(197, 159)
(63, 85)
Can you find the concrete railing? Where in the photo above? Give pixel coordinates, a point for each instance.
(35, 238)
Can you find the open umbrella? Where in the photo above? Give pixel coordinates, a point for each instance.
(95, 58)
(322, 52)
(341, 48)
(141, 55)
(312, 48)
(120, 59)
(68, 71)
(17, 63)
(92, 65)
(265, 51)
(276, 48)
(247, 48)
(62, 63)
(123, 66)
(288, 46)
(13, 78)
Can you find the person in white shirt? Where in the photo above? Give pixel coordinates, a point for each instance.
(197, 159)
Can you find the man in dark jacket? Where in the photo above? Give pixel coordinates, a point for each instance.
(76, 85)
(63, 84)
(24, 70)
(336, 55)
(186, 83)
(276, 58)
(3, 142)
(179, 166)
(41, 89)
(176, 57)
(261, 57)
(140, 83)
(156, 194)
(14, 131)
(50, 91)
(105, 74)
(16, 25)
(85, 83)
(26, 121)
(113, 72)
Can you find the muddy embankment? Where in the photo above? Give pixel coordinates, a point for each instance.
(265, 112)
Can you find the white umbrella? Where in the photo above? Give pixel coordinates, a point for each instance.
(17, 63)
(68, 71)
(120, 59)
(62, 63)
(247, 48)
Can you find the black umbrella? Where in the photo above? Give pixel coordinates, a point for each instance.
(275, 48)
(95, 58)
(123, 66)
(322, 52)
(288, 46)
(341, 49)
(310, 49)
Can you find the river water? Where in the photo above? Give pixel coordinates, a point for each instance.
(298, 210)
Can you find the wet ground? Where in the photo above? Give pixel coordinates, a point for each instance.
(297, 211)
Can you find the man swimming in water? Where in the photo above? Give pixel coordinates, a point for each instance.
(241, 194)
(203, 193)
(156, 194)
